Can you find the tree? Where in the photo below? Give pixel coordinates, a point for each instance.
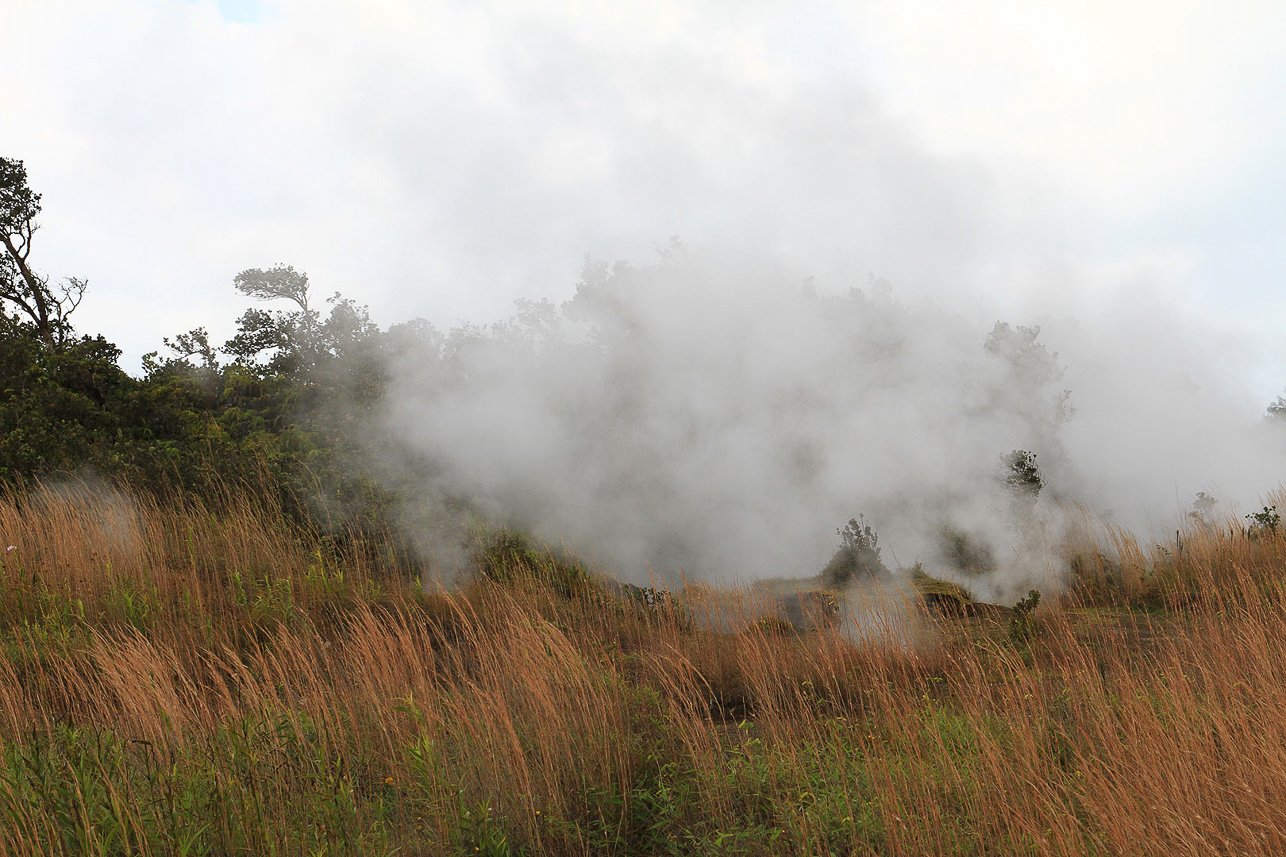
(1018, 347)
(289, 338)
(58, 410)
(279, 281)
(1277, 409)
(46, 308)
(299, 343)
(194, 343)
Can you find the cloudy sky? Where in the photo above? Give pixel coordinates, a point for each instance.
(1088, 160)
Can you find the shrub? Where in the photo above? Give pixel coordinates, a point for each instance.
(1022, 624)
(1021, 473)
(510, 557)
(1264, 522)
(965, 553)
(858, 555)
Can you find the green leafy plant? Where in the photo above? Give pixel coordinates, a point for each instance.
(1023, 624)
(1263, 523)
(508, 556)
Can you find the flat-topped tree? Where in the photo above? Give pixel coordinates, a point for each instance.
(296, 343)
(289, 337)
(22, 288)
(279, 281)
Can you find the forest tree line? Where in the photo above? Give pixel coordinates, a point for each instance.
(282, 405)
(273, 407)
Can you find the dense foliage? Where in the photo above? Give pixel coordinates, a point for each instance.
(280, 412)
(276, 407)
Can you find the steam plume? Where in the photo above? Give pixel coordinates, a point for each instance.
(723, 420)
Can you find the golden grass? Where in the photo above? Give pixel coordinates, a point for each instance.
(224, 683)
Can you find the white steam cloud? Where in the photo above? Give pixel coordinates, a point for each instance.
(722, 419)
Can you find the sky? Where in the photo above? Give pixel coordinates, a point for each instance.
(1108, 165)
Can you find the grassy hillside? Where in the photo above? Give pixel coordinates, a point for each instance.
(216, 680)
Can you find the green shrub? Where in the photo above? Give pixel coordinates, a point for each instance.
(858, 555)
(1023, 623)
(965, 553)
(1263, 523)
(508, 556)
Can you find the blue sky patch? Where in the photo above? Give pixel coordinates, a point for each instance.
(241, 11)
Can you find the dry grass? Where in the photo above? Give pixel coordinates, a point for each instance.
(185, 681)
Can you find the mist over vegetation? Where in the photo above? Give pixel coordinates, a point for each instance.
(729, 556)
(703, 416)
(722, 418)
(922, 495)
(701, 413)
